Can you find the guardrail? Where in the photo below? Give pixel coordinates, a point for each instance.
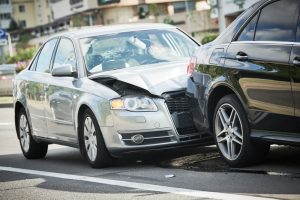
(7, 75)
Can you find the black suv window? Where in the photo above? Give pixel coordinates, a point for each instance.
(248, 33)
(65, 54)
(278, 21)
(298, 30)
(44, 58)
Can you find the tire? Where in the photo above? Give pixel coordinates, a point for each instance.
(92, 143)
(231, 132)
(30, 148)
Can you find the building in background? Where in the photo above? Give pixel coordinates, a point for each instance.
(39, 18)
(234, 8)
(31, 13)
(5, 13)
(43, 12)
(225, 12)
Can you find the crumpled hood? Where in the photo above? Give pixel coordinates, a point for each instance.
(156, 78)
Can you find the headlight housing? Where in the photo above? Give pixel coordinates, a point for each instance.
(133, 103)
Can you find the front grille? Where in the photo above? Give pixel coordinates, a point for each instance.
(187, 130)
(178, 104)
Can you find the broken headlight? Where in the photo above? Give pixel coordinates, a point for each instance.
(135, 103)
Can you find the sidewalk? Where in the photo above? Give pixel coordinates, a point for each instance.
(6, 101)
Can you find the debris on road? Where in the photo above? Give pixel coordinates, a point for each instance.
(170, 176)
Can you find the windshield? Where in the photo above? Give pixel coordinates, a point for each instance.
(136, 48)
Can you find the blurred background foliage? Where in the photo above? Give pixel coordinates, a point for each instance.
(209, 38)
(22, 55)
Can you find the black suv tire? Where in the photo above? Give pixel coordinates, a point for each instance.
(237, 134)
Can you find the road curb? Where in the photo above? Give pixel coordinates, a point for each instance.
(6, 105)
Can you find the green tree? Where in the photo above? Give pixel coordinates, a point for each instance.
(142, 13)
(78, 21)
(23, 42)
(168, 20)
(209, 38)
(154, 10)
(13, 25)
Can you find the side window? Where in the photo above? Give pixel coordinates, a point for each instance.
(248, 33)
(278, 21)
(298, 30)
(33, 64)
(44, 59)
(65, 54)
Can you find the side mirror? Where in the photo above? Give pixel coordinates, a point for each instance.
(64, 71)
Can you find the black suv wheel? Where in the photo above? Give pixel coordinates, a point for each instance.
(232, 134)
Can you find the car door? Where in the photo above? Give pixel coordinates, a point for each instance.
(295, 73)
(258, 62)
(36, 90)
(59, 96)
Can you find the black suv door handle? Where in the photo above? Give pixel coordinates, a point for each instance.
(241, 56)
(296, 61)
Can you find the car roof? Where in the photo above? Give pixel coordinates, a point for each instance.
(110, 29)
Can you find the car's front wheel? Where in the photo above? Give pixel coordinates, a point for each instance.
(30, 148)
(91, 139)
(232, 134)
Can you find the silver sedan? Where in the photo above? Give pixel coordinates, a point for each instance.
(107, 91)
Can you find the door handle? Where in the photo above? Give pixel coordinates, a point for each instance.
(296, 62)
(241, 56)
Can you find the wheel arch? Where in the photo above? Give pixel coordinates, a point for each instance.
(218, 92)
(18, 106)
(79, 114)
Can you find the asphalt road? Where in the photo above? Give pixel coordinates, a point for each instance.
(194, 173)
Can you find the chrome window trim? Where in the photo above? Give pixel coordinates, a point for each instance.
(265, 42)
(296, 44)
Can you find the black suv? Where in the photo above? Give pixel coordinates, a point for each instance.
(245, 85)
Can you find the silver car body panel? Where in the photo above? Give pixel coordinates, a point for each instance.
(53, 103)
(156, 78)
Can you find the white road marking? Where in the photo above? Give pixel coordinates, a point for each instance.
(6, 124)
(141, 186)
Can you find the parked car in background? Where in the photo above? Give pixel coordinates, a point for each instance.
(107, 91)
(245, 86)
(7, 74)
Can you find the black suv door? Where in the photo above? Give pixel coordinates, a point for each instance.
(295, 73)
(258, 62)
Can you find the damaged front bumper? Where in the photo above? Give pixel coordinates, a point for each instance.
(170, 126)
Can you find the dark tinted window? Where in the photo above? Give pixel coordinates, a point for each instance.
(44, 58)
(65, 54)
(298, 30)
(227, 35)
(277, 21)
(248, 33)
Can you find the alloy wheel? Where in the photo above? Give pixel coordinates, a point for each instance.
(229, 131)
(24, 133)
(90, 139)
